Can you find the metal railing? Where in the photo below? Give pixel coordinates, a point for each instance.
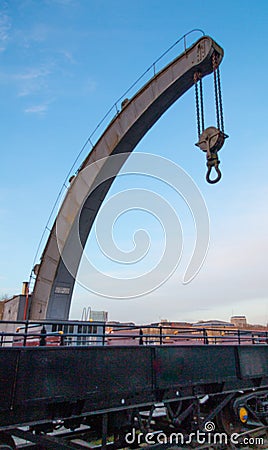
(78, 333)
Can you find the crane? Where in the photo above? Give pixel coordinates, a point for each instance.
(54, 284)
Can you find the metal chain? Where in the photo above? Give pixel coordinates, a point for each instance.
(214, 63)
(199, 103)
(199, 98)
(202, 105)
(218, 95)
(212, 150)
(220, 100)
(197, 109)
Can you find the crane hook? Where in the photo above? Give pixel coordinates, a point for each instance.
(213, 161)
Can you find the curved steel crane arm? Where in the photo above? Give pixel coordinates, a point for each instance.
(54, 284)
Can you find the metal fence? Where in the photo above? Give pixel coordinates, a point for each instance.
(77, 333)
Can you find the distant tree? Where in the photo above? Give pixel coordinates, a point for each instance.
(4, 297)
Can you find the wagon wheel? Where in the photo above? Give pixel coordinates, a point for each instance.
(228, 422)
(180, 414)
(174, 409)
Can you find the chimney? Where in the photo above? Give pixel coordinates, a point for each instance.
(25, 286)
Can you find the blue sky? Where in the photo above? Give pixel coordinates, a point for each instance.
(63, 64)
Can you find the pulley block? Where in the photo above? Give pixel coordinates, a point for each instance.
(211, 141)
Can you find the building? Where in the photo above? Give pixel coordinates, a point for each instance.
(239, 321)
(91, 331)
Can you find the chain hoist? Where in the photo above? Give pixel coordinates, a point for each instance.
(211, 139)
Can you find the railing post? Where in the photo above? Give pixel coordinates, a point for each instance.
(103, 334)
(43, 335)
(25, 333)
(141, 337)
(239, 337)
(61, 338)
(205, 336)
(161, 335)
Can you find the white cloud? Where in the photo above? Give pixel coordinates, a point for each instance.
(36, 109)
(90, 86)
(232, 281)
(32, 74)
(68, 56)
(32, 80)
(5, 25)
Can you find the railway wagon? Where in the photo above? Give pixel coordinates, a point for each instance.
(110, 390)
